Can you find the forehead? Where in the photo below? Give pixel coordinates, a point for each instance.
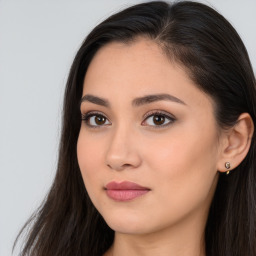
(126, 58)
(138, 68)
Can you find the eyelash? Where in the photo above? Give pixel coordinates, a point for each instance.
(164, 114)
(85, 118)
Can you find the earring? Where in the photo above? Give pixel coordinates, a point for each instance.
(227, 166)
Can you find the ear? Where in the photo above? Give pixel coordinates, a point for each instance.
(236, 143)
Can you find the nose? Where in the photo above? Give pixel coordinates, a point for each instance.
(123, 150)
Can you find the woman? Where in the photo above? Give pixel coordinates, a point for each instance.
(157, 155)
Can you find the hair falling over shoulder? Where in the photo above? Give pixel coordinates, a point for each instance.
(204, 42)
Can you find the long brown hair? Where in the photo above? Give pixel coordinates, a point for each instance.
(211, 51)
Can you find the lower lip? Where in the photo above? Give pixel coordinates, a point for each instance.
(125, 195)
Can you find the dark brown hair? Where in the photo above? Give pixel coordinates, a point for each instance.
(208, 47)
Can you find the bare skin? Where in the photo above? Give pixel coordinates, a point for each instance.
(178, 160)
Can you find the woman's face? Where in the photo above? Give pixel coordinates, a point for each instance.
(148, 124)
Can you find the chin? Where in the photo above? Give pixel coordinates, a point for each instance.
(127, 224)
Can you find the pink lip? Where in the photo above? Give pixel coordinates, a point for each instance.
(125, 191)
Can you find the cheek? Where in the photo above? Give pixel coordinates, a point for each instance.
(188, 147)
(89, 159)
(184, 165)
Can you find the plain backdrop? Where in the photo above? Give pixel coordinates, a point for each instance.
(38, 40)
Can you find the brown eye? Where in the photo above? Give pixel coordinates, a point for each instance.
(158, 119)
(100, 120)
(95, 120)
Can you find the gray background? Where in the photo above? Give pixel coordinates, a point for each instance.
(38, 40)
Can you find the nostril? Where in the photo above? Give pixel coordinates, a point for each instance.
(119, 167)
(125, 165)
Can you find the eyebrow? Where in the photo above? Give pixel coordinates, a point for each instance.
(95, 100)
(155, 97)
(136, 102)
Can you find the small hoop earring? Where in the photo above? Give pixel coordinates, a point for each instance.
(227, 166)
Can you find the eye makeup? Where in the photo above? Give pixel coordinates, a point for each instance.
(159, 119)
(164, 116)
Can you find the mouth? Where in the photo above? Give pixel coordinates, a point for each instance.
(125, 191)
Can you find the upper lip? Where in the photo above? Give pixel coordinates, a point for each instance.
(125, 185)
